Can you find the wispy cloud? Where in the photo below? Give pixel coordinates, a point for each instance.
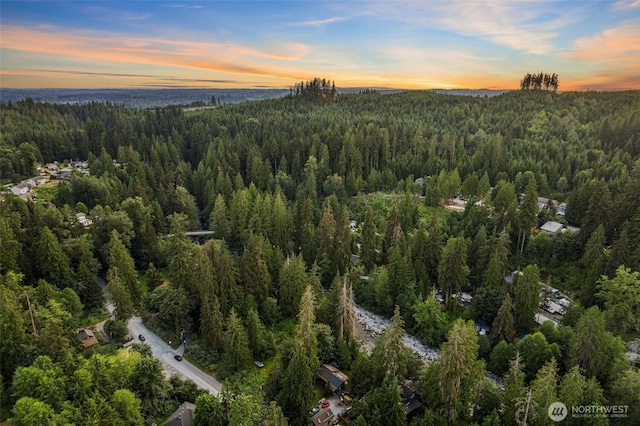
(519, 25)
(185, 6)
(319, 22)
(613, 57)
(185, 54)
(627, 4)
(615, 47)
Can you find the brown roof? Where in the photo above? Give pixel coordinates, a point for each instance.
(322, 417)
(87, 337)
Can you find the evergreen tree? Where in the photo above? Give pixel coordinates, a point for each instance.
(345, 314)
(621, 296)
(255, 333)
(274, 416)
(210, 411)
(237, 354)
(181, 262)
(120, 295)
(369, 241)
(596, 351)
(88, 288)
(453, 269)
(120, 258)
(544, 390)
(478, 257)
(433, 248)
(528, 212)
(390, 354)
(575, 390)
(296, 391)
(459, 370)
(503, 328)
(599, 210)
(219, 221)
(51, 261)
(593, 260)
(253, 270)
(211, 323)
(292, 282)
(402, 288)
(527, 298)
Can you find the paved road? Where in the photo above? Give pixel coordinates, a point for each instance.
(165, 354)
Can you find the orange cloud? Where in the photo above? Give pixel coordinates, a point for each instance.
(614, 57)
(620, 44)
(110, 48)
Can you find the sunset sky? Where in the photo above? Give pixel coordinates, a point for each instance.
(394, 44)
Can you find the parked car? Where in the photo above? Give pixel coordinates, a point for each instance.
(141, 337)
(178, 358)
(314, 410)
(258, 364)
(325, 404)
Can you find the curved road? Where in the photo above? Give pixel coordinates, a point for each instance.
(166, 354)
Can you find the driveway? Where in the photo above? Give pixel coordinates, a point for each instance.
(165, 354)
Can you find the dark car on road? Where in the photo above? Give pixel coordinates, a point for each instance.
(178, 357)
(141, 337)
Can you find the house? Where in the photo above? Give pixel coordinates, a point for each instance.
(542, 318)
(82, 219)
(86, 337)
(409, 398)
(482, 327)
(511, 278)
(324, 417)
(20, 189)
(551, 227)
(39, 180)
(419, 181)
(544, 203)
(332, 377)
(562, 209)
(183, 416)
(354, 258)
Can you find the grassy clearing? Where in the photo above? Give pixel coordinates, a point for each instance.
(46, 192)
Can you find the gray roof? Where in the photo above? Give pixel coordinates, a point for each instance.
(183, 416)
(332, 376)
(551, 227)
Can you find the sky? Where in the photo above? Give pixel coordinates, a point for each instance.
(591, 45)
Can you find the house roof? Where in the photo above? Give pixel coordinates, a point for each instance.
(408, 393)
(551, 227)
(87, 337)
(322, 417)
(183, 416)
(332, 376)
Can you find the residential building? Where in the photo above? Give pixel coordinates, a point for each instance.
(183, 416)
(332, 377)
(86, 337)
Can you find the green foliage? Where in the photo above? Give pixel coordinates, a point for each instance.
(527, 298)
(621, 296)
(275, 176)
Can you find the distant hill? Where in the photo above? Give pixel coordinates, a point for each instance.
(151, 98)
(141, 98)
(470, 92)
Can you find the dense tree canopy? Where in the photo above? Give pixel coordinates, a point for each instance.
(321, 206)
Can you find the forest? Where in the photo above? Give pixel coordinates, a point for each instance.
(319, 202)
